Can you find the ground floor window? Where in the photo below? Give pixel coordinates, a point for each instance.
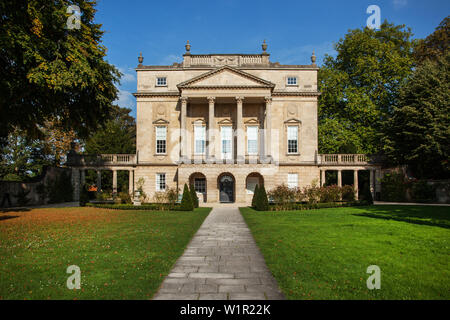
(160, 182)
(251, 184)
(292, 180)
(200, 185)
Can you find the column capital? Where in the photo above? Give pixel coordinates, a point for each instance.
(184, 99)
(211, 99)
(240, 99)
(268, 99)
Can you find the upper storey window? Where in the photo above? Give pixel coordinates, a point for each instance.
(291, 81)
(161, 133)
(161, 81)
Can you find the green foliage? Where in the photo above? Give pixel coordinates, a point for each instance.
(125, 197)
(60, 189)
(348, 193)
(22, 158)
(172, 197)
(47, 70)
(262, 203)
(194, 197)
(435, 45)
(255, 195)
(359, 87)
(393, 187)
(186, 201)
(419, 131)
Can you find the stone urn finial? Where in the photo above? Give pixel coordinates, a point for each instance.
(188, 47)
(264, 46)
(313, 58)
(140, 59)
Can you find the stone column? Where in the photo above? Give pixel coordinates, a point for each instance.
(76, 184)
(211, 130)
(99, 180)
(323, 177)
(268, 131)
(339, 178)
(183, 128)
(355, 183)
(114, 182)
(240, 132)
(131, 183)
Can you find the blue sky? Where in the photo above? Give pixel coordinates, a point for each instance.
(292, 29)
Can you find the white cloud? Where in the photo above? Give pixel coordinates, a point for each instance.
(125, 99)
(400, 3)
(128, 75)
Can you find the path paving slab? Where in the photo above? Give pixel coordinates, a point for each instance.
(222, 262)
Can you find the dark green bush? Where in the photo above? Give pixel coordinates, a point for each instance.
(186, 201)
(84, 195)
(366, 194)
(255, 194)
(262, 203)
(149, 207)
(22, 199)
(194, 197)
(125, 197)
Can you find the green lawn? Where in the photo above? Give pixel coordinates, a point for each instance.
(324, 254)
(122, 254)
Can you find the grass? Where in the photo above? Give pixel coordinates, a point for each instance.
(324, 254)
(121, 254)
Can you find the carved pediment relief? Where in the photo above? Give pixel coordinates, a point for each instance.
(293, 121)
(199, 122)
(225, 122)
(226, 77)
(161, 121)
(252, 121)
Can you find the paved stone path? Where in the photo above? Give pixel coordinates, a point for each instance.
(221, 262)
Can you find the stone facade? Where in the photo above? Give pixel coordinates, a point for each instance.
(226, 122)
(227, 90)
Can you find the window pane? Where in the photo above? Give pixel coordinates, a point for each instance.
(252, 139)
(160, 181)
(200, 185)
(292, 132)
(199, 134)
(292, 180)
(161, 133)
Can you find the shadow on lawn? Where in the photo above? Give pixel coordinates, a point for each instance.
(7, 217)
(431, 216)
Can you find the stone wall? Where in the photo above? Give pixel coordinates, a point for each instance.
(12, 188)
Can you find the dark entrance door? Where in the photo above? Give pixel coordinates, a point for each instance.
(226, 188)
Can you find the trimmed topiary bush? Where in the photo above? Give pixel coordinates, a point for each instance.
(262, 203)
(194, 197)
(367, 195)
(186, 201)
(255, 195)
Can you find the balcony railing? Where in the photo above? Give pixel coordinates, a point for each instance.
(101, 159)
(343, 159)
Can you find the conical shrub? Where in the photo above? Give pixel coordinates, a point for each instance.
(194, 197)
(255, 196)
(186, 201)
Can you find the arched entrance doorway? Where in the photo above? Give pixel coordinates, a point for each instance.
(226, 188)
(252, 180)
(198, 180)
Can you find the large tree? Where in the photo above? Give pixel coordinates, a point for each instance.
(436, 44)
(359, 87)
(419, 131)
(49, 71)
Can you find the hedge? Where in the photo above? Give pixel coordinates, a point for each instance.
(150, 206)
(311, 206)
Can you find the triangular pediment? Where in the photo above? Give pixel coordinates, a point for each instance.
(226, 77)
(293, 121)
(160, 121)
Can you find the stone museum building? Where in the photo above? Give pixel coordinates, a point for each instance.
(224, 123)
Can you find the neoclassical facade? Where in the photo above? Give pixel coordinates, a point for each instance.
(224, 123)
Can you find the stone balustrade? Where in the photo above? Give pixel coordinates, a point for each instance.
(101, 159)
(343, 159)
